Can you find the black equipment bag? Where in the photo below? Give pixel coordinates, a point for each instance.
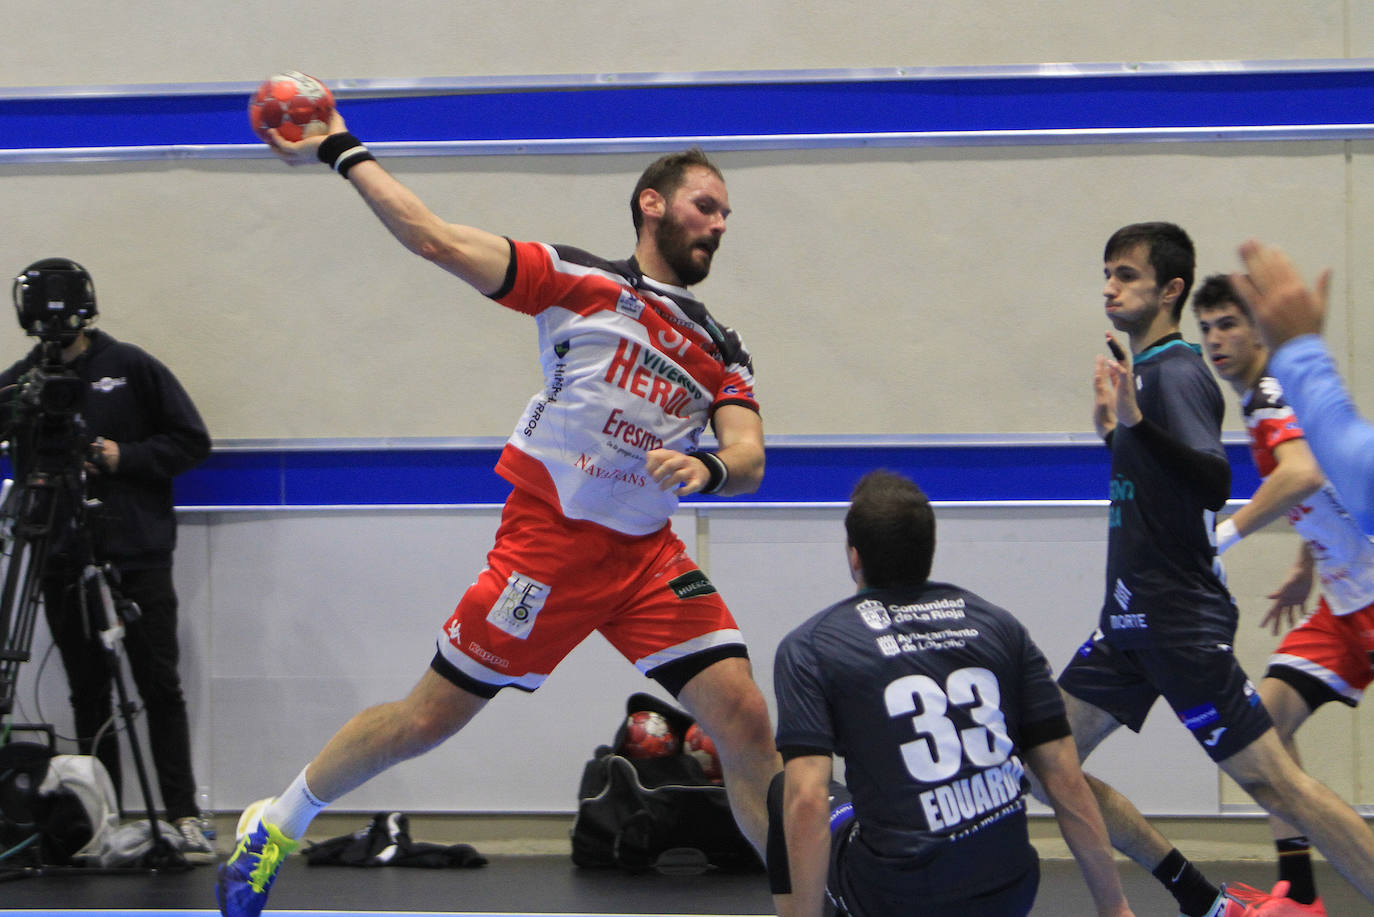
(42, 820)
(23, 765)
(655, 813)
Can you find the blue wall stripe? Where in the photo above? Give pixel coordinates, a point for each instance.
(137, 117)
(796, 474)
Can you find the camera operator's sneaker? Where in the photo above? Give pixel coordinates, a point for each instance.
(245, 879)
(1275, 903)
(195, 846)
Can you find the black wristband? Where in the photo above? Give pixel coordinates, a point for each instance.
(342, 152)
(715, 467)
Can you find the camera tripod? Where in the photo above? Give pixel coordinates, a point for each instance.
(30, 516)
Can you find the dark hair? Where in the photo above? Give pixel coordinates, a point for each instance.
(665, 174)
(1217, 291)
(891, 524)
(1171, 254)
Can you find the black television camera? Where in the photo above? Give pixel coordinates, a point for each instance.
(45, 442)
(54, 299)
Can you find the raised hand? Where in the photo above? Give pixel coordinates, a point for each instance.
(1283, 304)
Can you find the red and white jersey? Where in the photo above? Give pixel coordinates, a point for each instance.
(630, 365)
(1344, 555)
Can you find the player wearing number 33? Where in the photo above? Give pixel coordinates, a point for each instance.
(938, 701)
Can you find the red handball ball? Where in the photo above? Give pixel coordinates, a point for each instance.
(297, 105)
(698, 745)
(648, 735)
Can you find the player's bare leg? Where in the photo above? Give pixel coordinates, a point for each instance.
(368, 744)
(1130, 831)
(730, 708)
(384, 735)
(1288, 711)
(1273, 778)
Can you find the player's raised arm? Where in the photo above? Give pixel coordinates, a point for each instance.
(479, 257)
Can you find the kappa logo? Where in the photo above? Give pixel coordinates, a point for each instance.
(629, 304)
(874, 614)
(518, 605)
(455, 633)
(108, 384)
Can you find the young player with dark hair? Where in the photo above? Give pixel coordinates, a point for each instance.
(1328, 656)
(1168, 623)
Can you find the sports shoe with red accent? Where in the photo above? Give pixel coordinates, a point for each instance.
(1225, 905)
(1275, 903)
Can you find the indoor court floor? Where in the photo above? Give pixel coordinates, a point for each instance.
(520, 885)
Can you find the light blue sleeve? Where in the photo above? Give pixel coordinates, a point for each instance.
(1340, 438)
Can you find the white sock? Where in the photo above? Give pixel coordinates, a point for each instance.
(292, 811)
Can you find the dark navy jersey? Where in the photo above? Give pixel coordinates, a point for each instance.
(1164, 585)
(927, 692)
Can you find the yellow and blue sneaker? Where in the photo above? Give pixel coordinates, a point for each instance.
(244, 880)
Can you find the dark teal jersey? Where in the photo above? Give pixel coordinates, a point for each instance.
(1169, 475)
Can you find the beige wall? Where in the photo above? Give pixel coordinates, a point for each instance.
(905, 279)
(85, 42)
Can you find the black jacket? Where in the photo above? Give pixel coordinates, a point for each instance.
(132, 398)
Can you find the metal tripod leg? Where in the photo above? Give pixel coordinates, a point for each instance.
(106, 622)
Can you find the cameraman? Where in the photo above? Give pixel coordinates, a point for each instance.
(131, 430)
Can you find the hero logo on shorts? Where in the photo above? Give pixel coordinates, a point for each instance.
(518, 605)
(874, 614)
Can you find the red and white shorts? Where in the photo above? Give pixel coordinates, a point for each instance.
(550, 581)
(1335, 650)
